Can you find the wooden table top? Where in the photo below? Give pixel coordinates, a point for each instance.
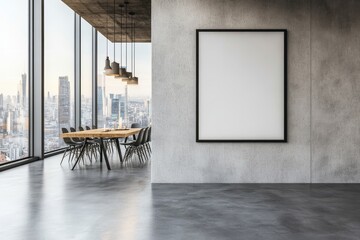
(101, 133)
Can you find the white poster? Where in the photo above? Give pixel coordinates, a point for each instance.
(241, 85)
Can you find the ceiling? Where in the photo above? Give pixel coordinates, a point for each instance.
(100, 14)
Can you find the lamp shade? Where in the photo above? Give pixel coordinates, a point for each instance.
(115, 69)
(129, 75)
(122, 73)
(107, 64)
(133, 81)
(107, 67)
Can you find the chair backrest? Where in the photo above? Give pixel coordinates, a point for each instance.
(145, 136)
(75, 138)
(149, 135)
(135, 125)
(87, 128)
(139, 137)
(66, 140)
(81, 128)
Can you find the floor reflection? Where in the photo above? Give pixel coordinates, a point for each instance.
(45, 201)
(35, 193)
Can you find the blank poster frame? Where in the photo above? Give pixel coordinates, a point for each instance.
(283, 139)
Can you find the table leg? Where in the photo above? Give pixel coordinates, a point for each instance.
(105, 154)
(81, 153)
(119, 149)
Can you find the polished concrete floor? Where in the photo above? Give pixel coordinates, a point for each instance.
(44, 200)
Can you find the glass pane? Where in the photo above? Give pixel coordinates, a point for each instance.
(59, 71)
(14, 81)
(86, 74)
(120, 104)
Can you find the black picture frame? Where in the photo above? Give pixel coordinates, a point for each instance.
(285, 137)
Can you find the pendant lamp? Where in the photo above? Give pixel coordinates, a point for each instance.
(127, 74)
(107, 67)
(122, 69)
(133, 80)
(114, 64)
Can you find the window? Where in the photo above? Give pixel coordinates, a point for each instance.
(117, 101)
(139, 106)
(58, 71)
(101, 102)
(14, 97)
(86, 74)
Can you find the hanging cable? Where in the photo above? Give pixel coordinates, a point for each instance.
(107, 30)
(126, 47)
(114, 30)
(121, 35)
(134, 40)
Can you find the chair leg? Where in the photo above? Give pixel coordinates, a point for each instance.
(66, 150)
(141, 149)
(150, 147)
(131, 153)
(146, 151)
(139, 155)
(127, 155)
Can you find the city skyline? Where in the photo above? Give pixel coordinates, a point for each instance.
(58, 17)
(59, 75)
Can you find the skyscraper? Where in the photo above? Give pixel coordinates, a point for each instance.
(100, 100)
(64, 102)
(10, 122)
(126, 106)
(117, 106)
(1, 102)
(22, 90)
(100, 106)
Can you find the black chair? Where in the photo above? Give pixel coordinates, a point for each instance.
(133, 125)
(87, 128)
(71, 146)
(134, 147)
(75, 139)
(92, 145)
(147, 144)
(143, 144)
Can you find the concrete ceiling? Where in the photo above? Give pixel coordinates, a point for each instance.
(100, 14)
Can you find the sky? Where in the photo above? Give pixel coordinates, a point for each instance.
(13, 44)
(59, 50)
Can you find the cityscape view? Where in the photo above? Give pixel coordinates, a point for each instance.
(118, 104)
(114, 110)
(14, 119)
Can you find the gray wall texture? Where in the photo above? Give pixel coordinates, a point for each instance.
(323, 93)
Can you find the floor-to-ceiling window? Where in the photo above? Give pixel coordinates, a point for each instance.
(14, 80)
(86, 74)
(101, 100)
(139, 109)
(58, 71)
(117, 101)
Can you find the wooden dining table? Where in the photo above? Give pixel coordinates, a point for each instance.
(101, 134)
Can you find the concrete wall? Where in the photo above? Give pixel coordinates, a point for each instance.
(323, 93)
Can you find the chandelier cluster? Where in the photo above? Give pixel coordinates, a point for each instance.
(121, 71)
